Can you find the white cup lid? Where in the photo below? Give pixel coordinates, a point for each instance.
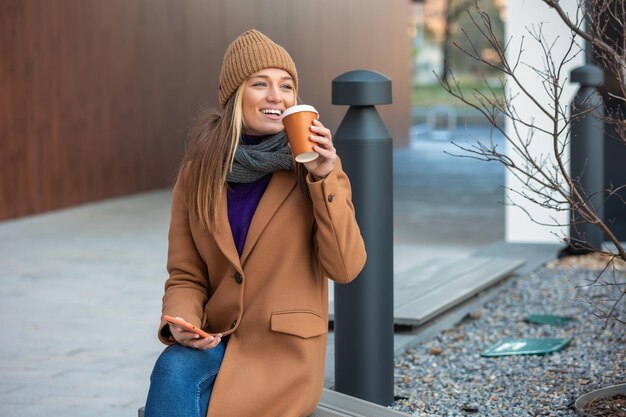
(298, 108)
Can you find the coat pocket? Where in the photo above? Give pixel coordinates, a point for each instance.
(299, 323)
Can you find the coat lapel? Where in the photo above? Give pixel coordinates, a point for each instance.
(224, 236)
(278, 189)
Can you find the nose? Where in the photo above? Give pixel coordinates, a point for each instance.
(273, 95)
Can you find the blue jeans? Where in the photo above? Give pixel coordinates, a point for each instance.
(182, 381)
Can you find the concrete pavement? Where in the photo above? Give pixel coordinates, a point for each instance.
(80, 292)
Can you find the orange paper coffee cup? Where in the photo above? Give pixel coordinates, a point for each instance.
(297, 121)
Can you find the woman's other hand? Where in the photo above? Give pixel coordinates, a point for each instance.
(192, 340)
(323, 139)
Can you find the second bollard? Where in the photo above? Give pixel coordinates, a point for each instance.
(587, 155)
(364, 335)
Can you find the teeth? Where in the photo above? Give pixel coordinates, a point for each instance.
(271, 111)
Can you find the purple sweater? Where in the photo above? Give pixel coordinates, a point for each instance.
(243, 199)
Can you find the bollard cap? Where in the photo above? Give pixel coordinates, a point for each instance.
(361, 88)
(588, 75)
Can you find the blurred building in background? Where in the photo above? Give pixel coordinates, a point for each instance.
(96, 96)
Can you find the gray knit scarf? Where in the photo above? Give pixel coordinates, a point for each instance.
(254, 161)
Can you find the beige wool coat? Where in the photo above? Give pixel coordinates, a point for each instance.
(273, 301)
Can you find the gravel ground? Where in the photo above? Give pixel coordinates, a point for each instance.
(446, 376)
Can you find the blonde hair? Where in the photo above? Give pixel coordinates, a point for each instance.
(237, 124)
(212, 142)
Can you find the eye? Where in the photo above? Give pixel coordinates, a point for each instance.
(259, 84)
(287, 86)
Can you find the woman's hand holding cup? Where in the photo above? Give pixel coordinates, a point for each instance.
(323, 139)
(310, 141)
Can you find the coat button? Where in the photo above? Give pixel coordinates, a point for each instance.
(330, 198)
(238, 277)
(233, 324)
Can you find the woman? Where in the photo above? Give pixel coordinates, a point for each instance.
(253, 237)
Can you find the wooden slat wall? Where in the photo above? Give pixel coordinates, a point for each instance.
(19, 182)
(96, 96)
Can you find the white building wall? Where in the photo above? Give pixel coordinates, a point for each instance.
(521, 16)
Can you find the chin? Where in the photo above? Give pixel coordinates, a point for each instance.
(271, 130)
(262, 129)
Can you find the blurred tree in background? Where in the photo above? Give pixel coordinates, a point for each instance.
(436, 26)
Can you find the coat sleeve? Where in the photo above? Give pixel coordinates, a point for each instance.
(187, 288)
(341, 249)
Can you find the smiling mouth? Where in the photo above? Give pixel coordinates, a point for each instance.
(271, 112)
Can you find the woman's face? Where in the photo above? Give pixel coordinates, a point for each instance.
(266, 95)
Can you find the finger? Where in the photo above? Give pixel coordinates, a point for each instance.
(183, 335)
(216, 341)
(206, 343)
(319, 125)
(327, 154)
(322, 141)
(195, 340)
(176, 331)
(321, 131)
(320, 128)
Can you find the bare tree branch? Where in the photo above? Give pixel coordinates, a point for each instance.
(545, 179)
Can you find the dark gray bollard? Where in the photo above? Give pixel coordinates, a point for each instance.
(364, 359)
(587, 153)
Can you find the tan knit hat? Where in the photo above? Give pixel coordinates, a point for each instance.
(251, 52)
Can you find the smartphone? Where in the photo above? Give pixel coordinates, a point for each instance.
(184, 325)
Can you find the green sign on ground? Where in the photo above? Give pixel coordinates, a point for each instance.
(549, 319)
(526, 347)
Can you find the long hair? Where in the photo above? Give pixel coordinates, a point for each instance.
(209, 156)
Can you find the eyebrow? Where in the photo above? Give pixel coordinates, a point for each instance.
(268, 77)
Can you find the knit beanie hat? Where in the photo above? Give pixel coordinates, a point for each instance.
(251, 52)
